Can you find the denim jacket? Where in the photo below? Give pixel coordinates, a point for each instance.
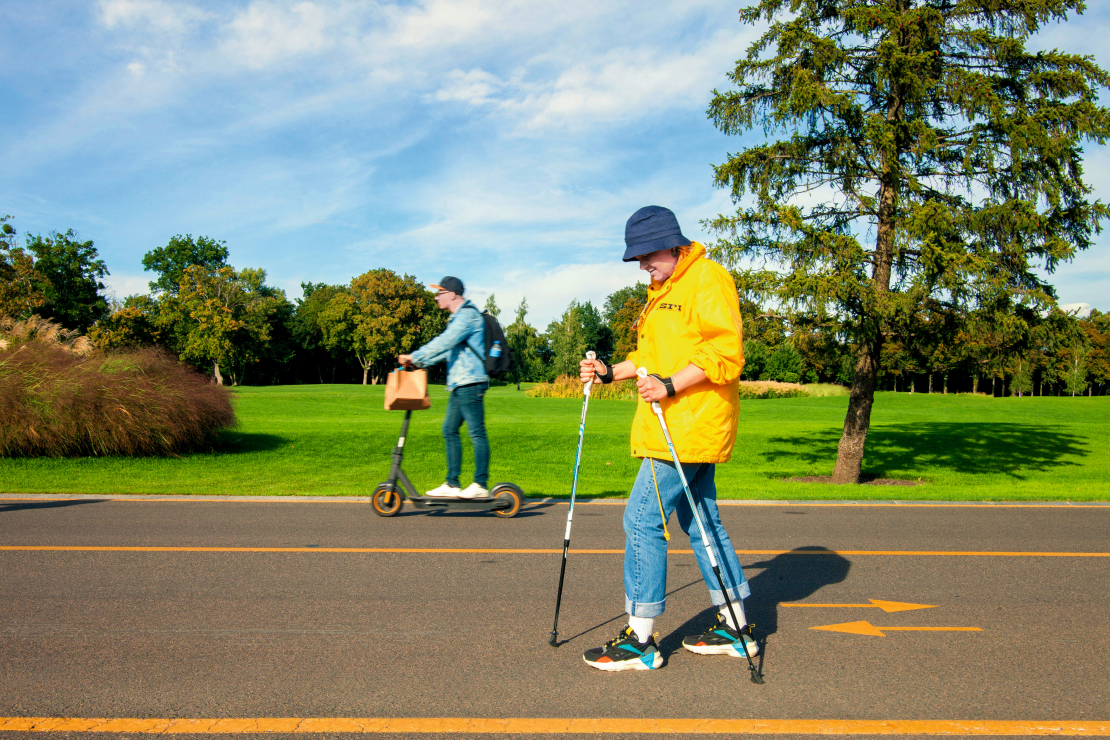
(466, 327)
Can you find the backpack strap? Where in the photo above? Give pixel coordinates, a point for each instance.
(466, 342)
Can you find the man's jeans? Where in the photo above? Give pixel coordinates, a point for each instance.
(645, 548)
(465, 405)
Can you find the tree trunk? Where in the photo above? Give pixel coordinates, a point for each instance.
(930, 384)
(850, 450)
(365, 370)
(913, 381)
(946, 384)
(216, 373)
(975, 385)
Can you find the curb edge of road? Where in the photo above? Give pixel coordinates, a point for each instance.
(186, 497)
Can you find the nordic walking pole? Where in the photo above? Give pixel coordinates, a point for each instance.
(553, 638)
(755, 675)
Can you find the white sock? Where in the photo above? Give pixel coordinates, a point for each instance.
(642, 626)
(738, 607)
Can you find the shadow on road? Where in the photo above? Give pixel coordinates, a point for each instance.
(25, 505)
(978, 449)
(791, 576)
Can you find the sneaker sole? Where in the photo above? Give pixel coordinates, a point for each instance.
(729, 650)
(627, 665)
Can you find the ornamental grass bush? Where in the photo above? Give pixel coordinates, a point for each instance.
(59, 397)
(764, 389)
(568, 386)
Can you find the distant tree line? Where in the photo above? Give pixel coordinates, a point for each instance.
(232, 326)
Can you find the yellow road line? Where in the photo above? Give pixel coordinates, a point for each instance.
(539, 551)
(464, 725)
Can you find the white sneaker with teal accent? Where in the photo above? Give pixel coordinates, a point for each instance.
(625, 653)
(721, 640)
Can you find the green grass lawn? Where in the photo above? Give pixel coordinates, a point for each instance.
(336, 440)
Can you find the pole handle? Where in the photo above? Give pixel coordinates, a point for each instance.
(591, 355)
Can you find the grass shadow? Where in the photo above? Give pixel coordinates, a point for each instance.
(233, 443)
(971, 448)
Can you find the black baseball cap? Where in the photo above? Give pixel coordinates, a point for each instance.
(452, 284)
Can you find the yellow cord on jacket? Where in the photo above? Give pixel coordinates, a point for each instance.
(666, 534)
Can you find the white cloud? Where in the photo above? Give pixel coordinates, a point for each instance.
(267, 33)
(160, 16)
(1082, 310)
(616, 85)
(439, 23)
(121, 285)
(137, 68)
(550, 292)
(474, 87)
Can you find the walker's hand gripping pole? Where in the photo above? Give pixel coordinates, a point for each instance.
(709, 547)
(553, 638)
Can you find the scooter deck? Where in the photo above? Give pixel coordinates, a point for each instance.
(446, 502)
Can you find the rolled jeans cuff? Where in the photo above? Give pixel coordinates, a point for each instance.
(734, 593)
(647, 611)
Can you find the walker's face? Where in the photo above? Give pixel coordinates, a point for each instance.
(659, 264)
(443, 299)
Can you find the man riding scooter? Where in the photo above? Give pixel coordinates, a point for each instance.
(462, 344)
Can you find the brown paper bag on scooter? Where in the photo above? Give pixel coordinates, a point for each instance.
(407, 390)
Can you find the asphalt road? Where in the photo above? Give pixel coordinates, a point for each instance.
(323, 634)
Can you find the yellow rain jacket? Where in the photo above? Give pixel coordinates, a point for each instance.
(692, 318)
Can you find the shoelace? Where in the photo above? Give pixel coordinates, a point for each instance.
(619, 638)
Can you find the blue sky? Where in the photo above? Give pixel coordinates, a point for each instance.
(502, 142)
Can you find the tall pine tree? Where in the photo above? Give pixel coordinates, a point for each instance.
(925, 153)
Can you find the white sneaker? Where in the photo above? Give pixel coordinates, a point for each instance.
(445, 491)
(473, 491)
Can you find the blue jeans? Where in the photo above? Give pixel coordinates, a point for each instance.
(645, 548)
(465, 405)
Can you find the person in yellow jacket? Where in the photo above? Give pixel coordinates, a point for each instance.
(689, 338)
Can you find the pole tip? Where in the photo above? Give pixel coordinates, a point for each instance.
(553, 639)
(757, 677)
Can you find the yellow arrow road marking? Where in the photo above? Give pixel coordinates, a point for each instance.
(886, 606)
(865, 628)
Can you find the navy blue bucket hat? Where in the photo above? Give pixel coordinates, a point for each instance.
(650, 229)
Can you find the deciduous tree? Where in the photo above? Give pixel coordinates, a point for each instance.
(22, 288)
(170, 262)
(228, 318)
(380, 316)
(72, 272)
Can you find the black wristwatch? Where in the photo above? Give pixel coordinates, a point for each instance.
(667, 383)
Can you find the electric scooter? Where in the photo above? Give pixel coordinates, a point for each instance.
(504, 500)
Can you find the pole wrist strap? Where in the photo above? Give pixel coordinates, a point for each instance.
(607, 376)
(667, 383)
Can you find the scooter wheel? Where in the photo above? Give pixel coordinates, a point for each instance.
(510, 493)
(386, 501)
